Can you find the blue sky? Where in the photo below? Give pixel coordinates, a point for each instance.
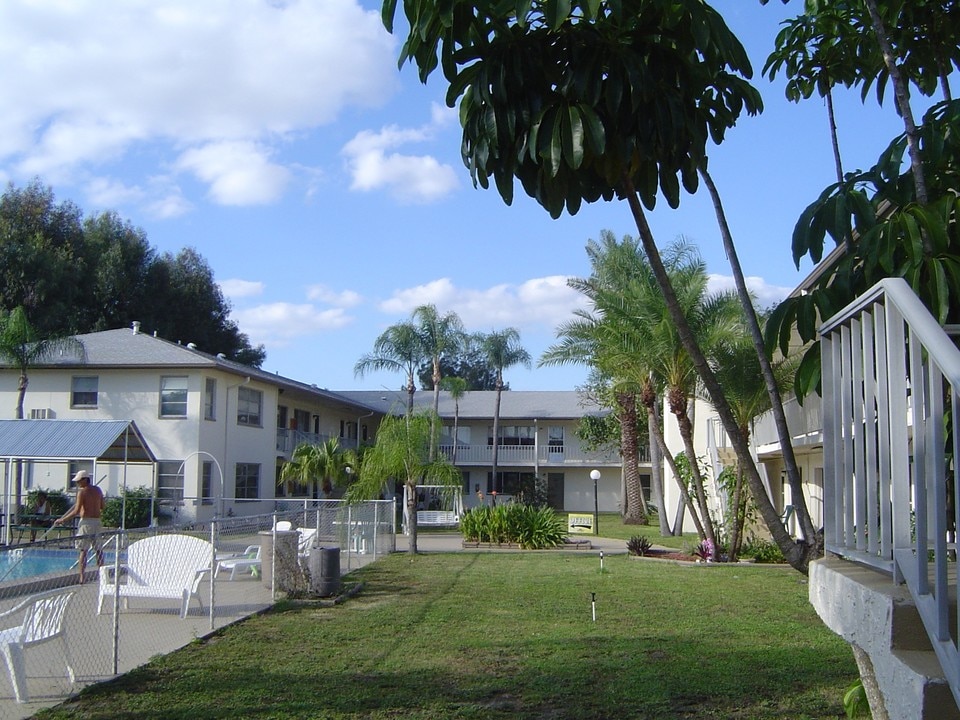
(325, 187)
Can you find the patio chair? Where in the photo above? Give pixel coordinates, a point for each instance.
(249, 559)
(42, 621)
(283, 525)
(162, 566)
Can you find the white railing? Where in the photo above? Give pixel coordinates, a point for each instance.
(288, 440)
(888, 370)
(529, 455)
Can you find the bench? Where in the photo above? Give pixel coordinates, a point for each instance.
(160, 567)
(437, 518)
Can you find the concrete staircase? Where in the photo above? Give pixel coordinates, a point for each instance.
(866, 609)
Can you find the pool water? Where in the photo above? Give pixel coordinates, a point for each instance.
(20, 563)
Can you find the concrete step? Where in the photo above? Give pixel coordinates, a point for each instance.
(866, 609)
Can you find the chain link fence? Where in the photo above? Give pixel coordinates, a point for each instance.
(161, 587)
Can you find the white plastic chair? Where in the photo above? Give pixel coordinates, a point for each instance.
(248, 560)
(283, 525)
(43, 620)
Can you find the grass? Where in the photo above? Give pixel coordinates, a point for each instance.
(611, 526)
(497, 636)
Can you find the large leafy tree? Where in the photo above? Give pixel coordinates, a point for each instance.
(402, 453)
(77, 275)
(584, 99)
(503, 350)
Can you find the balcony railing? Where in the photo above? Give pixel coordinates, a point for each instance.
(529, 455)
(889, 371)
(288, 440)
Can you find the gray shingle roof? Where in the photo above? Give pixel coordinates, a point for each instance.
(73, 440)
(128, 349)
(479, 404)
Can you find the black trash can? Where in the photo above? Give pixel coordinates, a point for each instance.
(324, 566)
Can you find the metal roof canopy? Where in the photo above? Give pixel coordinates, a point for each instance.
(98, 440)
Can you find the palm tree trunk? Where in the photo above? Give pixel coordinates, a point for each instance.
(773, 391)
(672, 463)
(649, 399)
(798, 556)
(436, 410)
(412, 514)
(686, 433)
(456, 430)
(496, 435)
(635, 512)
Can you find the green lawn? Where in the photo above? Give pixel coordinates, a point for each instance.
(478, 635)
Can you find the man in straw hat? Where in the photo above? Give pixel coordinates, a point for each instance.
(88, 507)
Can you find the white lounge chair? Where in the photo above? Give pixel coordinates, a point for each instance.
(283, 525)
(162, 566)
(249, 559)
(42, 620)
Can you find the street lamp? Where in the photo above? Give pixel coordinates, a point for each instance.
(595, 475)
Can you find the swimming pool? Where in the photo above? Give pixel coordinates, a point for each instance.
(20, 563)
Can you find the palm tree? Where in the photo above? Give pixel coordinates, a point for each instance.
(398, 349)
(591, 339)
(402, 452)
(457, 387)
(318, 467)
(21, 347)
(441, 336)
(503, 350)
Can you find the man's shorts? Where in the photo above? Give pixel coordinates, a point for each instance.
(87, 534)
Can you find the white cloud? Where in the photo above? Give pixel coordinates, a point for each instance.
(534, 304)
(277, 324)
(765, 293)
(108, 193)
(236, 288)
(95, 79)
(345, 298)
(239, 173)
(408, 178)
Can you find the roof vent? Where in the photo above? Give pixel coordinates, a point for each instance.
(136, 327)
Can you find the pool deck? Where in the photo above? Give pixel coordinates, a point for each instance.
(153, 627)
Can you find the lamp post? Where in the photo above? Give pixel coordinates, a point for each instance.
(595, 475)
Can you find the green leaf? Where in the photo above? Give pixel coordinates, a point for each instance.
(573, 138)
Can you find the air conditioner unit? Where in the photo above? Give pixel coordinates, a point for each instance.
(42, 414)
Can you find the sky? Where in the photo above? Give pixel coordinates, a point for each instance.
(325, 187)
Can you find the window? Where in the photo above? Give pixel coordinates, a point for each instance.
(513, 435)
(463, 435)
(555, 439)
(170, 480)
(206, 483)
(173, 396)
(75, 466)
(83, 391)
(210, 399)
(249, 406)
(248, 481)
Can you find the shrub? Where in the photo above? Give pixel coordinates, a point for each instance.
(639, 545)
(137, 511)
(528, 526)
(763, 551)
